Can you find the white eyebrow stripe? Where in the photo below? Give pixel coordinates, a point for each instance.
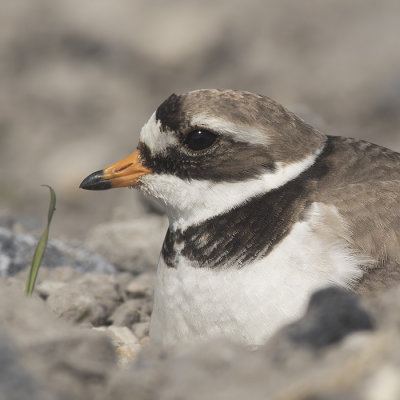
(156, 141)
(236, 132)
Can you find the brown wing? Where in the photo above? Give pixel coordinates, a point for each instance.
(364, 185)
(372, 213)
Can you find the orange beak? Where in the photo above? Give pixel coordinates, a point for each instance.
(123, 173)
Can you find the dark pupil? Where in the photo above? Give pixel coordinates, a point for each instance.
(200, 139)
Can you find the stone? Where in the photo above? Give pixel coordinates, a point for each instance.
(46, 288)
(54, 277)
(145, 341)
(141, 329)
(126, 314)
(332, 314)
(91, 298)
(17, 250)
(123, 279)
(131, 312)
(126, 344)
(64, 274)
(141, 286)
(383, 308)
(19, 223)
(49, 280)
(130, 245)
(46, 357)
(16, 383)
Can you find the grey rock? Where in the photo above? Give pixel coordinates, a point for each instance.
(125, 342)
(91, 298)
(20, 223)
(16, 383)
(52, 280)
(59, 274)
(46, 288)
(126, 314)
(384, 308)
(130, 245)
(48, 280)
(17, 250)
(131, 312)
(141, 286)
(47, 356)
(141, 329)
(332, 314)
(123, 279)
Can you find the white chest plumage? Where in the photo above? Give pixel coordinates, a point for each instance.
(248, 304)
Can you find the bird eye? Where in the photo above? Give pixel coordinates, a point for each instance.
(199, 139)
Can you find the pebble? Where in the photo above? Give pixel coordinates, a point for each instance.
(126, 344)
(46, 288)
(141, 329)
(127, 313)
(91, 298)
(17, 250)
(140, 287)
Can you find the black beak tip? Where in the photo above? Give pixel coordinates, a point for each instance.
(95, 181)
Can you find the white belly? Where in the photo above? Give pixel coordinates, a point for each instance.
(248, 304)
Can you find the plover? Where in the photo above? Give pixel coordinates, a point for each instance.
(263, 210)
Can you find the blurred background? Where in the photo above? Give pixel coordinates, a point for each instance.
(79, 78)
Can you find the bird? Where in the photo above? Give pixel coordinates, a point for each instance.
(263, 210)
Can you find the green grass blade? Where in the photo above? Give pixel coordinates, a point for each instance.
(41, 247)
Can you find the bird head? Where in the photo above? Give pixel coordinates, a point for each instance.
(206, 151)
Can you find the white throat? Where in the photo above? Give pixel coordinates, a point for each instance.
(191, 202)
